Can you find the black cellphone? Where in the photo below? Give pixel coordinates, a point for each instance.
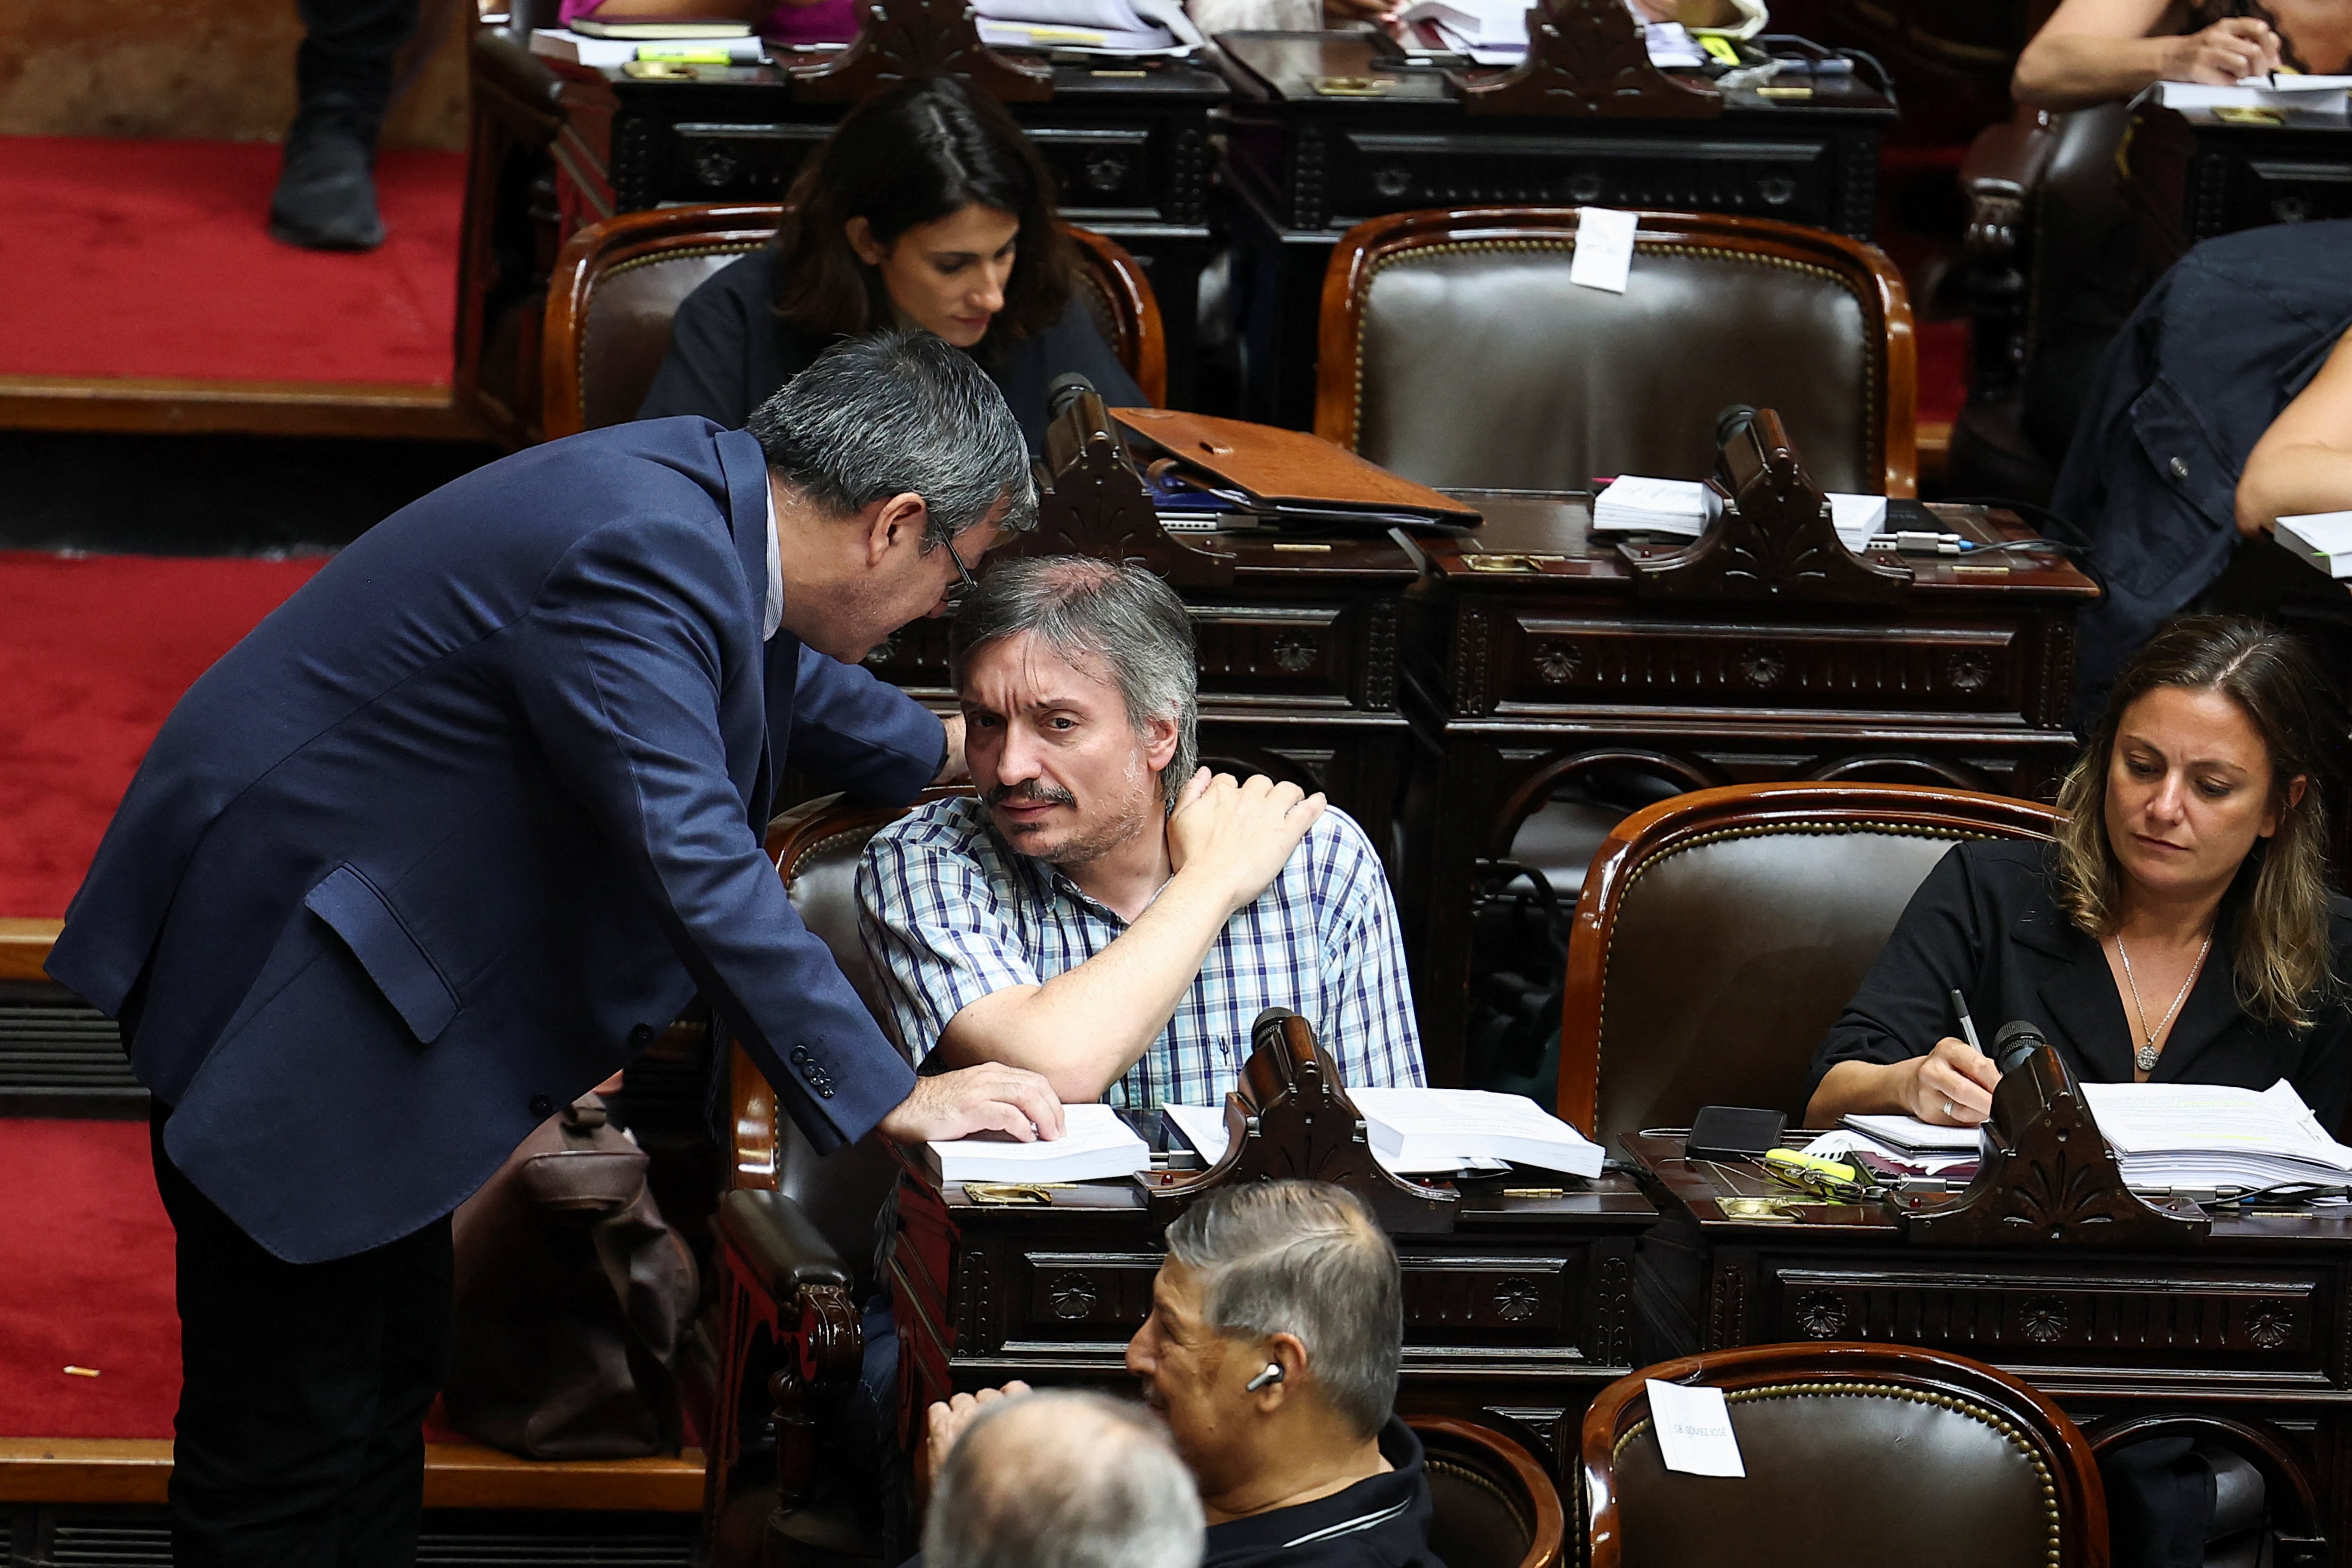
(1734, 1133)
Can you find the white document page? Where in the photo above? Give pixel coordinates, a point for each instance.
(1420, 1129)
(1203, 1127)
(1694, 1427)
(1604, 248)
(1910, 1133)
(2181, 1118)
(1092, 1135)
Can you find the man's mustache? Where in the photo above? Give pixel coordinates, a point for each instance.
(1032, 794)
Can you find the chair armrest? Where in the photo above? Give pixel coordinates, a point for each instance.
(502, 60)
(781, 1248)
(2003, 167)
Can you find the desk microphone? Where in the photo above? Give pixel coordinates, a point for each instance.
(1064, 390)
(1733, 420)
(2013, 1044)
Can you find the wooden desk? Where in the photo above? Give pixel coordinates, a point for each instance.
(2252, 1326)
(1515, 1319)
(557, 147)
(1302, 165)
(1556, 668)
(2245, 176)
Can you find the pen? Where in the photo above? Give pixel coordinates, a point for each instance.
(1968, 1024)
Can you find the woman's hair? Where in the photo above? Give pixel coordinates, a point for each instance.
(927, 148)
(2282, 957)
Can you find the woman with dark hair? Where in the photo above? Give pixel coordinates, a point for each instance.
(926, 207)
(2179, 929)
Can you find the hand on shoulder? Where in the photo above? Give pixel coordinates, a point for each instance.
(1239, 832)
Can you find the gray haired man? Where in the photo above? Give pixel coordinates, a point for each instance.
(1105, 914)
(1272, 1350)
(1063, 1479)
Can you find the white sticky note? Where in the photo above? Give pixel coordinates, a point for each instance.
(1694, 1427)
(1604, 248)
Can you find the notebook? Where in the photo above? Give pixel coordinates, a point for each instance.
(2323, 538)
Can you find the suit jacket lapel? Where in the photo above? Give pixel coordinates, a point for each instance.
(2079, 991)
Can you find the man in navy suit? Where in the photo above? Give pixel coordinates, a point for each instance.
(454, 833)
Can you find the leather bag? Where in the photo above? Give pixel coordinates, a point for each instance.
(573, 1298)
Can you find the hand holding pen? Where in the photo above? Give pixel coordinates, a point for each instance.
(1954, 1083)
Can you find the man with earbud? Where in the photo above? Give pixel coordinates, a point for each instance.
(1277, 1328)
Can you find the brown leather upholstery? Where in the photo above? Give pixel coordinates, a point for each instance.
(1456, 350)
(1719, 933)
(1852, 1452)
(1491, 1505)
(618, 284)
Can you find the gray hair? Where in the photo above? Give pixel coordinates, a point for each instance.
(1063, 1479)
(897, 413)
(1305, 1259)
(1121, 614)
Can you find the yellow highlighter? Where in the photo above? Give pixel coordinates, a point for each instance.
(1790, 1162)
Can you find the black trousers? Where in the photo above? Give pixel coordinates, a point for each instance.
(299, 1439)
(344, 65)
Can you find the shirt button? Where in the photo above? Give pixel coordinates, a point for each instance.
(542, 1106)
(642, 1034)
(2179, 466)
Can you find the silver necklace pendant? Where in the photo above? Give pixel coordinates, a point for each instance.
(2144, 1057)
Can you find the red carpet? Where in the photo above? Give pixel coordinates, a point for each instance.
(87, 1254)
(148, 259)
(96, 653)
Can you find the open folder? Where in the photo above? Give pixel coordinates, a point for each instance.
(1286, 477)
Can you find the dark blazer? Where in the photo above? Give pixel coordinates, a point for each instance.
(1986, 923)
(728, 354)
(456, 831)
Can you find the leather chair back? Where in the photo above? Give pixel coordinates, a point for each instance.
(1456, 350)
(1719, 933)
(1851, 1450)
(618, 284)
(816, 846)
(1491, 1505)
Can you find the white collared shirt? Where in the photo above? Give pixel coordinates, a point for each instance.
(775, 612)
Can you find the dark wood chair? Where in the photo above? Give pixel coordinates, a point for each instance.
(1491, 1504)
(1719, 933)
(1455, 351)
(618, 283)
(1851, 1450)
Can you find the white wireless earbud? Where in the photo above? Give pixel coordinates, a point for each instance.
(1273, 1374)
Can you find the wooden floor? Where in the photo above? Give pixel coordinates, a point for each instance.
(457, 1475)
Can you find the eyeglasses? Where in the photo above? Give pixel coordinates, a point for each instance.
(960, 590)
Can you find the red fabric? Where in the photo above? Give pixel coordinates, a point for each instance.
(1944, 352)
(85, 1250)
(151, 258)
(97, 650)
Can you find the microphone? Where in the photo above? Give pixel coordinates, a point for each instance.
(1064, 389)
(2013, 1044)
(1733, 420)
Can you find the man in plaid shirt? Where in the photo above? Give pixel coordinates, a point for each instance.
(1104, 914)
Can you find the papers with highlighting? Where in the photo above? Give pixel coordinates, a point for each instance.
(562, 44)
(1094, 1143)
(2323, 538)
(2204, 1136)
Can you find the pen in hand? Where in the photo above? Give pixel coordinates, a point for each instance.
(1968, 1024)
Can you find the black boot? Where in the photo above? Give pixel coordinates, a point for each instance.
(326, 189)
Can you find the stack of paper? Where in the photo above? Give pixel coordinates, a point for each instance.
(1204, 1128)
(1094, 1143)
(2287, 89)
(562, 44)
(1913, 1143)
(1420, 1129)
(1494, 32)
(2323, 538)
(1633, 505)
(2203, 1136)
(1091, 26)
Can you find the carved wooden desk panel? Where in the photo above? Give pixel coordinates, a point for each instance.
(1299, 666)
(1303, 163)
(1536, 663)
(1522, 1313)
(2250, 1327)
(560, 146)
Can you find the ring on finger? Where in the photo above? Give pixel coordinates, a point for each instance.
(1948, 1109)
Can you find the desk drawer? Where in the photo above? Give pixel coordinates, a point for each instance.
(1523, 659)
(2144, 1315)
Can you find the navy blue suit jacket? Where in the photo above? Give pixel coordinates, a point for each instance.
(460, 827)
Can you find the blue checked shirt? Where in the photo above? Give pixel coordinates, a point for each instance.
(950, 915)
